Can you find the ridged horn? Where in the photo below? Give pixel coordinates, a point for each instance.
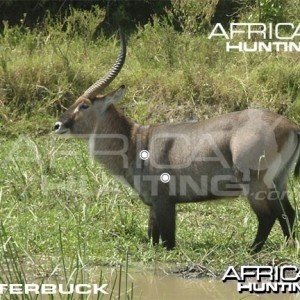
(102, 83)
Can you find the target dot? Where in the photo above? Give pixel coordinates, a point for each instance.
(144, 154)
(165, 177)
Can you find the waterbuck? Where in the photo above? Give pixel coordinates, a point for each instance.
(249, 152)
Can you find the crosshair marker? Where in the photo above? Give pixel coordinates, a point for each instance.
(144, 154)
(165, 177)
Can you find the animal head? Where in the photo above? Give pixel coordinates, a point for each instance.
(92, 108)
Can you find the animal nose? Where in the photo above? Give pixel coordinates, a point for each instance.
(57, 126)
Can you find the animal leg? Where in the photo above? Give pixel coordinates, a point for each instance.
(265, 216)
(164, 211)
(265, 224)
(153, 229)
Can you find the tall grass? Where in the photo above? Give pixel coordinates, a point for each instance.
(178, 75)
(14, 270)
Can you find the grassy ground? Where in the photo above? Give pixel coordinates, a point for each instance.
(54, 200)
(51, 186)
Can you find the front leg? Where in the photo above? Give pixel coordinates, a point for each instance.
(153, 229)
(164, 216)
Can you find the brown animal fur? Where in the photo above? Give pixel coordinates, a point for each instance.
(249, 153)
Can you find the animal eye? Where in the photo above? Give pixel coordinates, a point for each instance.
(83, 106)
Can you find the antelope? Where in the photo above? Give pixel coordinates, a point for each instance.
(245, 153)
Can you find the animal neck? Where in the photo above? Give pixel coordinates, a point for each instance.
(111, 141)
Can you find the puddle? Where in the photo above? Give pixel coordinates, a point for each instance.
(157, 285)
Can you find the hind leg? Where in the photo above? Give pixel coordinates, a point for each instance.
(258, 198)
(268, 206)
(265, 220)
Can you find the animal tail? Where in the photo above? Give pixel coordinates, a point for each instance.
(297, 167)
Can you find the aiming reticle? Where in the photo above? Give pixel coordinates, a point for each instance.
(165, 177)
(144, 154)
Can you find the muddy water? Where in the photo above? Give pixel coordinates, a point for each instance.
(148, 285)
(156, 284)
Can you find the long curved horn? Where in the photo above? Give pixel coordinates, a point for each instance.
(102, 83)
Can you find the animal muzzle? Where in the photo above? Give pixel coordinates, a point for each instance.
(60, 128)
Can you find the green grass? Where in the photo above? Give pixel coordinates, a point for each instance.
(17, 270)
(53, 198)
(179, 76)
(53, 194)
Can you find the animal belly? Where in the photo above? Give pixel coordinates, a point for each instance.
(187, 188)
(207, 188)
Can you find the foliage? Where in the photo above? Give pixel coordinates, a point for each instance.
(14, 270)
(192, 16)
(270, 11)
(131, 13)
(44, 69)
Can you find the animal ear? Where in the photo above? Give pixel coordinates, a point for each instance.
(113, 97)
